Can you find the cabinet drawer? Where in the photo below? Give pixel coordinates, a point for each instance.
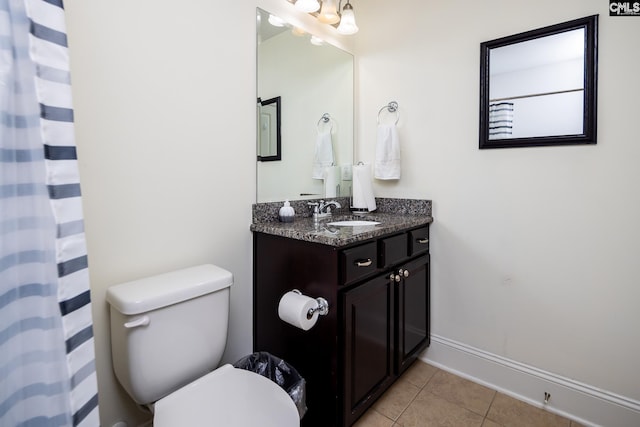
(358, 262)
(419, 240)
(393, 250)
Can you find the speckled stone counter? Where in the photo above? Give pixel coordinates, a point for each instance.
(393, 215)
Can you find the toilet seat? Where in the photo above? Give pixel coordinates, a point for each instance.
(227, 397)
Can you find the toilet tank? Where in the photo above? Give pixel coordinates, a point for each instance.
(168, 330)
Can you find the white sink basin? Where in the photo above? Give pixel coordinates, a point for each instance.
(352, 223)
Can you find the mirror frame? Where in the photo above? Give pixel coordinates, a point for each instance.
(589, 113)
(278, 155)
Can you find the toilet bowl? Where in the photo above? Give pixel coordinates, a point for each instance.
(168, 334)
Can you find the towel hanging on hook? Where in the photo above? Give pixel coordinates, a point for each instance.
(387, 164)
(323, 156)
(392, 108)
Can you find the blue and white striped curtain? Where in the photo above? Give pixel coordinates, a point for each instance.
(500, 120)
(47, 361)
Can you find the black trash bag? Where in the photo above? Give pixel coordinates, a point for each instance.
(280, 372)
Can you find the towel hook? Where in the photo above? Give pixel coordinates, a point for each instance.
(391, 107)
(326, 118)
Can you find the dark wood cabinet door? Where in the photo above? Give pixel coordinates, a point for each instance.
(368, 345)
(413, 311)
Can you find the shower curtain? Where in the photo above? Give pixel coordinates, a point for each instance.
(47, 368)
(500, 120)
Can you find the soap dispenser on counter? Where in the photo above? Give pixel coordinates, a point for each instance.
(286, 213)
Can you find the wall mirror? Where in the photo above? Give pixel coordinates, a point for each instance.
(269, 136)
(538, 88)
(311, 80)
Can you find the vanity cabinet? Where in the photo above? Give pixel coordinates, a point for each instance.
(369, 343)
(386, 326)
(378, 321)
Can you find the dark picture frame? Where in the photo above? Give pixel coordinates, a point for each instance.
(269, 114)
(588, 135)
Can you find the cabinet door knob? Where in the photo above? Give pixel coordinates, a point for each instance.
(403, 273)
(364, 262)
(423, 241)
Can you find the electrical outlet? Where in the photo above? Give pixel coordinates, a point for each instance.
(346, 172)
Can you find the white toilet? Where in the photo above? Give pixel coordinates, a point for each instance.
(168, 333)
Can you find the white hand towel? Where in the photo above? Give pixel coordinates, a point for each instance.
(323, 155)
(387, 164)
(362, 188)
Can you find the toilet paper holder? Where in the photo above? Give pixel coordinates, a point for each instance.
(322, 308)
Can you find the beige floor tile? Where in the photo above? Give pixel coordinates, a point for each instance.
(419, 373)
(472, 396)
(488, 423)
(372, 418)
(508, 412)
(430, 410)
(396, 399)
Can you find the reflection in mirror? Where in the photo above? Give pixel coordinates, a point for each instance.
(311, 80)
(544, 74)
(269, 139)
(539, 87)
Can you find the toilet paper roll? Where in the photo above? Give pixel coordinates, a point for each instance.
(293, 309)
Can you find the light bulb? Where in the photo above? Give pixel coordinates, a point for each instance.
(348, 21)
(276, 21)
(307, 6)
(329, 12)
(297, 31)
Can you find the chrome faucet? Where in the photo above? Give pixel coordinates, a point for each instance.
(326, 206)
(323, 209)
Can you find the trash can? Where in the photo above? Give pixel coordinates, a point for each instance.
(280, 372)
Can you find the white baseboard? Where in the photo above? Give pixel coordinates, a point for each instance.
(580, 402)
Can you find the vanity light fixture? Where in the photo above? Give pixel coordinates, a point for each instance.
(298, 32)
(276, 21)
(330, 13)
(307, 6)
(317, 41)
(347, 21)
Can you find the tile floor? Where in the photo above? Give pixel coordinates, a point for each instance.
(427, 396)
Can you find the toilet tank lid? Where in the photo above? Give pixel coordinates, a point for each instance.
(150, 293)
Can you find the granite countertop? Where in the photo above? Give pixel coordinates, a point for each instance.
(393, 216)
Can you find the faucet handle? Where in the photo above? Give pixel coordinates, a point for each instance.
(315, 206)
